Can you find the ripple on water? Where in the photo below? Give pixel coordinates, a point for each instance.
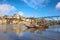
(49, 34)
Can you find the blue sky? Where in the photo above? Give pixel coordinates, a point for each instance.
(29, 8)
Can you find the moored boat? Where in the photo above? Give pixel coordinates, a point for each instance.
(37, 26)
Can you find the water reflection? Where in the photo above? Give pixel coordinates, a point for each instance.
(3, 28)
(20, 32)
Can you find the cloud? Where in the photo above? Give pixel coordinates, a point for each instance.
(58, 5)
(36, 3)
(21, 13)
(5, 9)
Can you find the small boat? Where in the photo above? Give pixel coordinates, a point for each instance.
(37, 26)
(43, 26)
(29, 26)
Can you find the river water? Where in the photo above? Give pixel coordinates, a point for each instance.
(51, 33)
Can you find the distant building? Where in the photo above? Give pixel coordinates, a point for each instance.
(18, 18)
(2, 20)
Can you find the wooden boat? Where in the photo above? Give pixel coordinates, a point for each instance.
(29, 26)
(38, 27)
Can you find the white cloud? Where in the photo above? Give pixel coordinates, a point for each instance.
(36, 3)
(58, 5)
(21, 13)
(5, 9)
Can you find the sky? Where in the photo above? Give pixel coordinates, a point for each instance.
(28, 8)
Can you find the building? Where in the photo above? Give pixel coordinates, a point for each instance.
(2, 20)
